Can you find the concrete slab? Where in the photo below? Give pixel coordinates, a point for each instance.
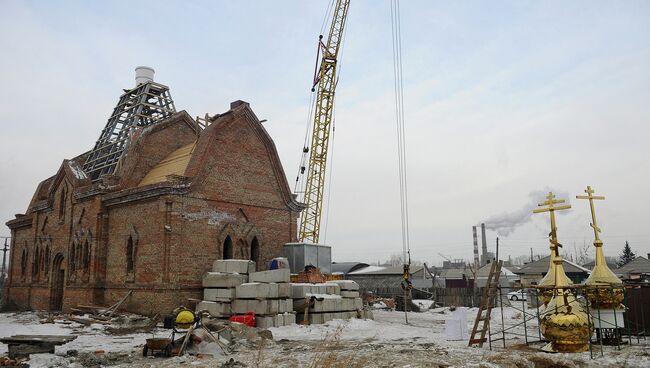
(284, 290)
(279, 275)
(278, 320)
(257, 291)
(332, 288)
(213, 295)
(285, 305)
(215, 309)
(358, 303)
(264, 322)
(261, 307)
(300, 290)
(223, 280)
(289, 319)
(349, 294)
(241, 266)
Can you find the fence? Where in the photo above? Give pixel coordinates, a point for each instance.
(459, 297)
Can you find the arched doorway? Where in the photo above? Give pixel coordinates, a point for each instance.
(227, 248)
(255, 252)
(57, 285)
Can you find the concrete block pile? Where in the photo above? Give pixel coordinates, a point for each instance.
(337, 299)
(234, 288)
(220, 285)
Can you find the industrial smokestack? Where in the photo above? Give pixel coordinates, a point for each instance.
(143, 74)
(476, 259)
(484, 254)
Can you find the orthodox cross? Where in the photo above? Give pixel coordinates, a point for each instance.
(551, 202)
(594, 225)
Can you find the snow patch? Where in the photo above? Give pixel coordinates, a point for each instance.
(78, 172)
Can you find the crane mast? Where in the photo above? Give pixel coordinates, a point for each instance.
(326, 79)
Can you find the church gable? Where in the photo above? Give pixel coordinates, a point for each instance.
(235, 161)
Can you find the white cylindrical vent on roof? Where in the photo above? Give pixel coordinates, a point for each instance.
(143, 74)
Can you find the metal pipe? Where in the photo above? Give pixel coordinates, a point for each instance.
(477, 261)
(484, 255)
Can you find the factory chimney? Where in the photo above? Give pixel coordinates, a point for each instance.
(143, 74)
(476, 259)
(484, 251)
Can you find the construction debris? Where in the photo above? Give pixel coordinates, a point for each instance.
(20, 346)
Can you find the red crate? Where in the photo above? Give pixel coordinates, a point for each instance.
(248, 319)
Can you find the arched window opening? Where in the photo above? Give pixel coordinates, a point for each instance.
(227, 248)
(41, 262)
(46, 264)
(78, 254)
(23, 261)
(72, 257)
(255, 251)
(86, 256)
(62, 203)
(35, 262)
(129, 255)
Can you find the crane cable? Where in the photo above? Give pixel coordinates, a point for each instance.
(300, 177)
(396, 32)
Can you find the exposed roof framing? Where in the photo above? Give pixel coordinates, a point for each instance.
(146, 104)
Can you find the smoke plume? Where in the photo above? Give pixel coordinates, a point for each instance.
(506, 222)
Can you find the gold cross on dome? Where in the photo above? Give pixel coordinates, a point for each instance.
(551, 202)
(591, 199)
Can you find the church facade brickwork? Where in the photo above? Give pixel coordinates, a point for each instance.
(90, 242)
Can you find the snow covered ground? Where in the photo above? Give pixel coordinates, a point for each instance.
(384, 342)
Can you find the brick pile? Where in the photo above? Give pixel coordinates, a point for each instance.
(337, 299)
(234, 289)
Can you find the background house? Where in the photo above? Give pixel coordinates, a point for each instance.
(634, 269)
(506, 279)
(386, 281)
(343, 268)
(531, 273)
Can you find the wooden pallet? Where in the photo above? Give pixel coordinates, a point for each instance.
(482, 322)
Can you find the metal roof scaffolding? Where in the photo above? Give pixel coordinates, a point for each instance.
(146, 104)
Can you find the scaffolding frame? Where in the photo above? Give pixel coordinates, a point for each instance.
(613, 335)
(146, 104)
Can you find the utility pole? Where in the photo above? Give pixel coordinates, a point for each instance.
(4, 258)
(531, 254)
(497, 257)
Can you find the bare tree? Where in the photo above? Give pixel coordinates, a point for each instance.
(397, 259)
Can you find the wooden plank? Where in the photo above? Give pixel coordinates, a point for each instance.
(118, 304)
(50, 339)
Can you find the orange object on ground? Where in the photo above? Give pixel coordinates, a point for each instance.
(248, 319)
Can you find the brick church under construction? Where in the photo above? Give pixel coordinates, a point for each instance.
(148, 209)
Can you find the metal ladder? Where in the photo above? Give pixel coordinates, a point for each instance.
(487, 303)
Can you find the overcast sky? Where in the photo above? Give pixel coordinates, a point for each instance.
(502, 99)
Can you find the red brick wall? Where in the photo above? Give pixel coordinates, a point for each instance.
(237, 189)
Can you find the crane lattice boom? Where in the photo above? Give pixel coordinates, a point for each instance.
(327, 79)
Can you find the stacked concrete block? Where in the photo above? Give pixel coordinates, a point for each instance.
(240, 266)
(220, 285)
(332, 300)
(268, 295)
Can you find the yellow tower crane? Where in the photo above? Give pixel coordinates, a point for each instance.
(326, 79)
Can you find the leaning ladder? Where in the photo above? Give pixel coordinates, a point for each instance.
(487, 303)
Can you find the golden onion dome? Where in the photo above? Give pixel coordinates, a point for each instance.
(605, 288)
(564, 320)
